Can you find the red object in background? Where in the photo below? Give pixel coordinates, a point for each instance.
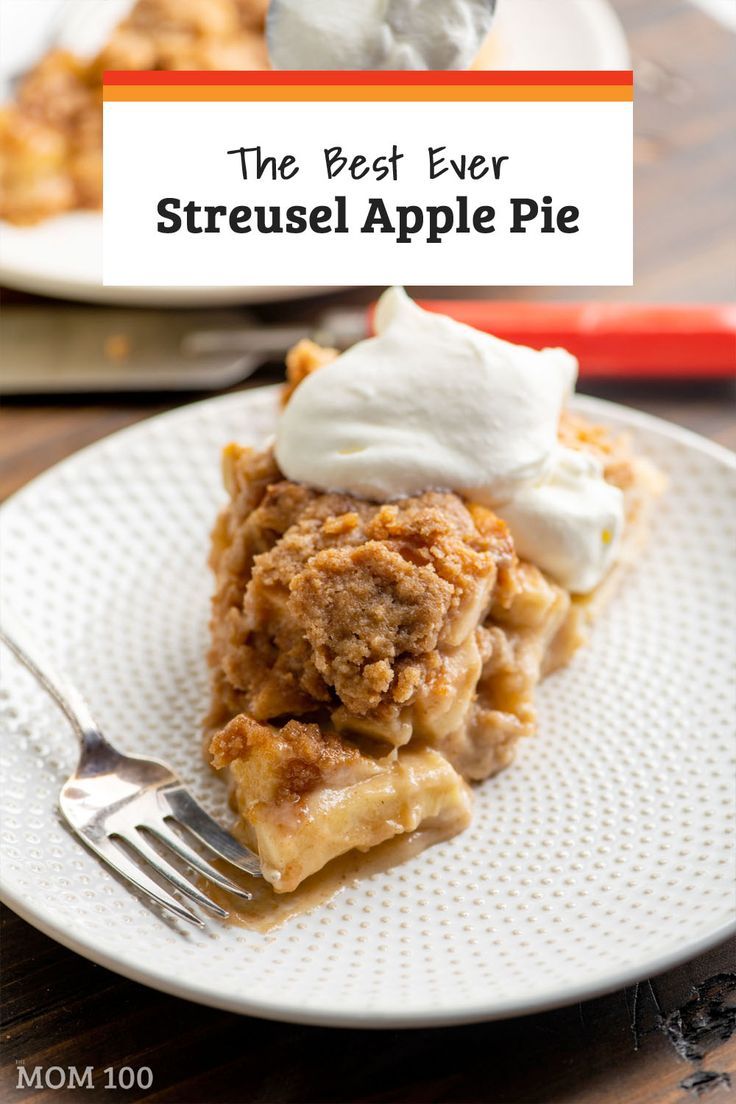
(614, 340)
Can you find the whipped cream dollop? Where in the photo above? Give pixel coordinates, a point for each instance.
(428, 403)
(432, 404)
(377, 34)
(569, 523)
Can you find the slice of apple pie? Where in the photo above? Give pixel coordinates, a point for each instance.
(371, 656)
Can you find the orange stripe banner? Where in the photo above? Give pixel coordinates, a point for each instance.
(357, 94)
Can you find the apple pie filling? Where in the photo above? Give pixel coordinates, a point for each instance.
(370, 659)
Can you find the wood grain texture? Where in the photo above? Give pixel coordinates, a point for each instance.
(635, 1046)
(63, 1011)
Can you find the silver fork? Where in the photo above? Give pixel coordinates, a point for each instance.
(119, 805)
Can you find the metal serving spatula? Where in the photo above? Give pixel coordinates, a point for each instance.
(87, 349)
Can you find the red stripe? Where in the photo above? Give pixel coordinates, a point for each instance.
(192, 78)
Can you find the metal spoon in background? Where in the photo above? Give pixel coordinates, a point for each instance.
(377, 34)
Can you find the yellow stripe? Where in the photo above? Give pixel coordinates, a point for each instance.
(348, 94)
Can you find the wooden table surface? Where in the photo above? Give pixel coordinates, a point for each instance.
(669, 1039)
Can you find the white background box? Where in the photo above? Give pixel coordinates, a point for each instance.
(577, 153)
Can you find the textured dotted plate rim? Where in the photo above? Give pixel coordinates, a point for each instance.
(41, 915)
(286, 1013)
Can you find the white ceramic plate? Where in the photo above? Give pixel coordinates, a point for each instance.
(604, 854)
(63, 256)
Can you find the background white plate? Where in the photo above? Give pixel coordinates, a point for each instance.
(602, 855)
(63, 256)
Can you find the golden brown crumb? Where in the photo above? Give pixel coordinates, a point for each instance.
(235, 739)
(639, 480)
(296, 758)
(305, 357)
(117, 347)
(363, 608)
(324, 599)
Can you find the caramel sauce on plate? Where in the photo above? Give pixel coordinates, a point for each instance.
(269, 910)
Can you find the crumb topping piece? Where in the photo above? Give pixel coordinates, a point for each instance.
(303, 359)
(328, 600)
(290, 761)
(360, 609)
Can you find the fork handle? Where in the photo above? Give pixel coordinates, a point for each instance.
(18, 639)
